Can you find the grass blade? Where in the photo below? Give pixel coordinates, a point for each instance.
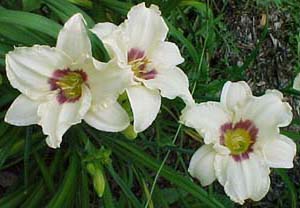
(67, 9)
(289, 185)
(63, 196)
(124, 187)
(45, 172)
(128, 150)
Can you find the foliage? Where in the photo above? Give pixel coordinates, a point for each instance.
(150, 171)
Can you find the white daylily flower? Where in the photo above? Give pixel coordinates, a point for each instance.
(296, 84)
(242, 140)
(61, 86)
(140, 43)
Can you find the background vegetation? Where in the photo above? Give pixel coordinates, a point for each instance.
(253, 40)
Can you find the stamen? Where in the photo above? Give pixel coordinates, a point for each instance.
(68, 83)
(140, 64)
(239, 138)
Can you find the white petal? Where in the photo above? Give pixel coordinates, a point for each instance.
(296, 84)
(165, 55)
(29, 69)
(73, 39)
(207, 118)
(246, 179)
(280, 152)
(268, 112)
(171, 83)
(145, 104)
(220, 165)
(109, 82)
(145, 27)
(57, 118)
(221, 149)
(202, 165)
(116, 45)
(112, 118)
(103, 30)
(235, 94)
(22, 112)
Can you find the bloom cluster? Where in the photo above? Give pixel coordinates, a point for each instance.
(63, 85)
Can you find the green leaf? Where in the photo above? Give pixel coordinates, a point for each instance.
(4, 48)
(98, 49)
(124, 187)
(293, 135)
(31, 21)
(21, 35)
(45, 172)
(84, 190)
(2, 63)
(199, 6)
(35, 198)
(65, 10)
(118, 6)
(68, 187)
(289, 185)
(127, 151)
(28, 143)
(107, 197)
(15, 199)
(171, 195)
(83, 3)
(30, 5)
(5, 150)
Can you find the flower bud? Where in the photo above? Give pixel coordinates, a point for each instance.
(99, 182)
(129, 133)
(95, 171)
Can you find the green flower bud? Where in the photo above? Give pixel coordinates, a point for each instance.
(129, 132)
(91, 168)
(95, 171)
(99, 182)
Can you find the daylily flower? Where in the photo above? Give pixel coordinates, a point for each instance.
(139, 46)
(62, 85)
(242, 140)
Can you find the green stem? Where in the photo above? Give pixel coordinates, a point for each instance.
(130, 151)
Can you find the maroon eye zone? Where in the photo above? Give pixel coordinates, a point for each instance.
(140, 64)
(239, 138)
(68, 84)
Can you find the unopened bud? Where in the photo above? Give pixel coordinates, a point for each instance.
(99, 182)
(129, 133)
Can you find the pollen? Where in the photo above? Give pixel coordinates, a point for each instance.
(237, 141)
(68, 83)
(239, 138)
(140, 64)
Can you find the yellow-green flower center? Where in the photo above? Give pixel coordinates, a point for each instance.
(70, 84)
(239, 138)
(237, 141)
(140, 64)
